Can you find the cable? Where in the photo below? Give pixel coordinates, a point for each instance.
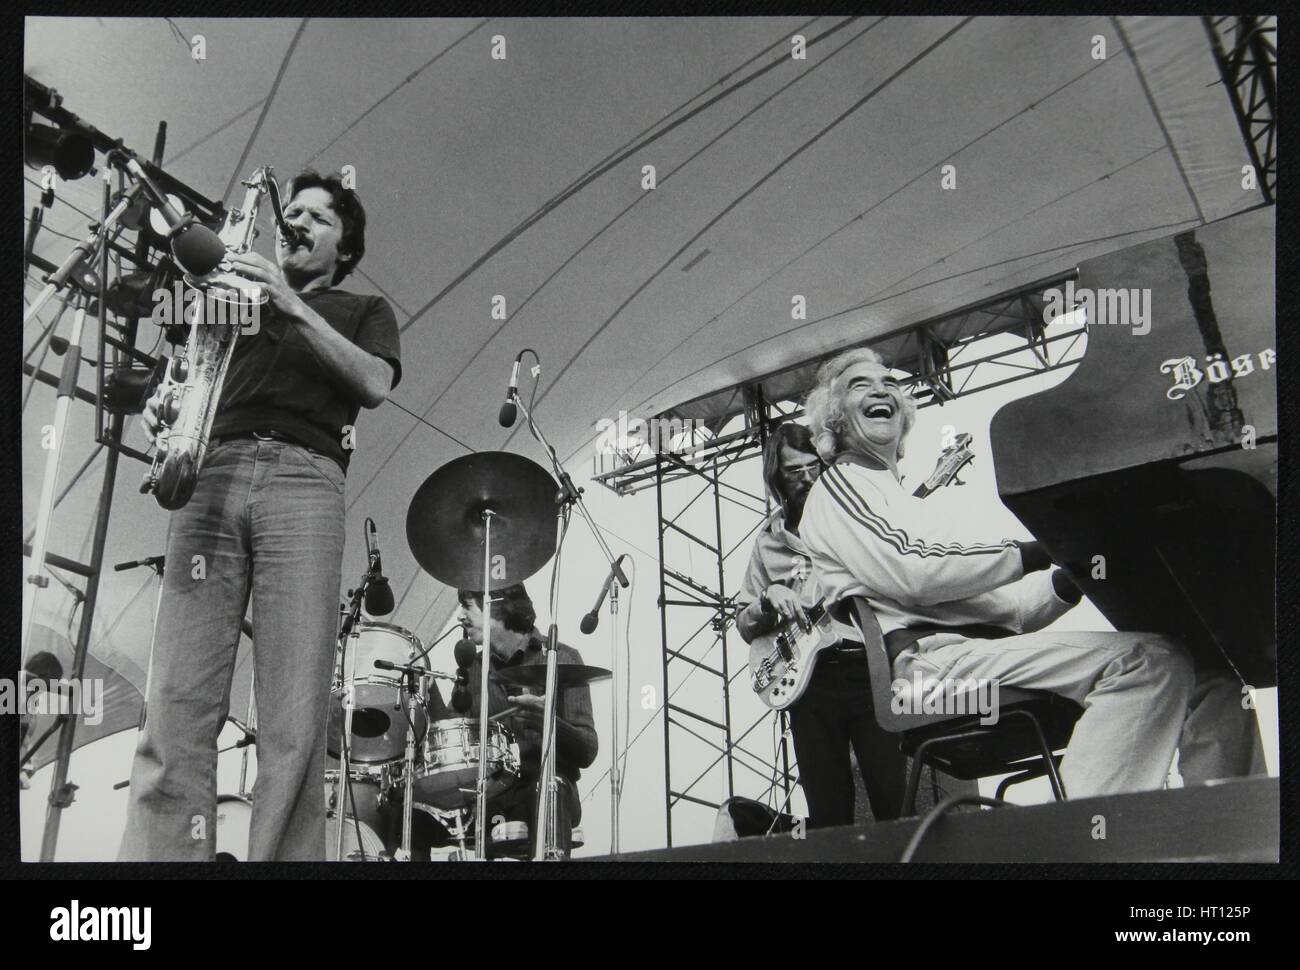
(857, 218)
(266, 108)
(621, 757)
(405, 81)
(662, 181)
(767, 176)
(597, 172)
(936, 813)
(575, 186)
(53, 232)
(60, 198)
(445, 434)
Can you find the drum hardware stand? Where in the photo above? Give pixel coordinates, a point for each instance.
(459, 835)
(410, 672)
(480, 786)
(408, 796)
(569, 497)
(250, 737)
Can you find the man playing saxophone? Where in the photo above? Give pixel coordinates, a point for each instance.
(266, 520)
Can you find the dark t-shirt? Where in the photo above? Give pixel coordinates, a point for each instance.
(276, 381)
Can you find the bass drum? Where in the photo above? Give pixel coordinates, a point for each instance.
(365, 803)
(234, 820)
(369, 847)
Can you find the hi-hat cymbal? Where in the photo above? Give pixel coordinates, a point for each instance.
(568, 675)
(445, 525)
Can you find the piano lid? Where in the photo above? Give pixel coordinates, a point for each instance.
(1181, 360)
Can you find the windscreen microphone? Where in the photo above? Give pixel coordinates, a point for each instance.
(379, 595)
(461, 699)
(589, 621)
(506, 416)
(465, 654)
(195, 247)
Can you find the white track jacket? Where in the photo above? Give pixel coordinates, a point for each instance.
(915, 563)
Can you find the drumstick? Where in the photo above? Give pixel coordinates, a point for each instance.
(506, 713)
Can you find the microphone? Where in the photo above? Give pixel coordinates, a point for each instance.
(506, 416)
(589, 621)
(465, 654)
(150, 561)
(196, 248)
(379, 595)
(461, 699)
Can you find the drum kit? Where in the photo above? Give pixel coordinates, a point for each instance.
(484, 521)
(387, 779)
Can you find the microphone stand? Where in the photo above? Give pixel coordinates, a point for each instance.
(609, 587)
(615, 779)
(570, 497)
(411, 671)
(344, 682)
(408, 795)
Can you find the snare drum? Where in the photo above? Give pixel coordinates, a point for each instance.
(380, 703)
(448, 771)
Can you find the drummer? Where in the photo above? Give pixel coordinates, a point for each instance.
(517, 642)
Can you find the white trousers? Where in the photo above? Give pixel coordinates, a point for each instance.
(1141, 699)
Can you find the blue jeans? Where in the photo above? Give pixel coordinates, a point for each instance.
(266, 519)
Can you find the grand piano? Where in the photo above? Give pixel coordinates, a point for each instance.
(1159, 453)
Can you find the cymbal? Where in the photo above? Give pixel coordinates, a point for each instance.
(445, 525)
(567, 675)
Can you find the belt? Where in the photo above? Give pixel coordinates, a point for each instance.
(258, 435)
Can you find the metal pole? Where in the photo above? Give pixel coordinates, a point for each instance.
(343, 785)
(722, 632)
(663, 633)
(60, 791)
(615, 779)
(35, 580)
(251, 720)
(546, 849)
(480, 790)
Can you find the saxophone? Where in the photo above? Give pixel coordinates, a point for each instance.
(192, 380)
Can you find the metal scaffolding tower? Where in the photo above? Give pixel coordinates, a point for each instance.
(1246, 52)
(122, 372)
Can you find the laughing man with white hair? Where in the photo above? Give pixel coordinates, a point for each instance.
(955, 602)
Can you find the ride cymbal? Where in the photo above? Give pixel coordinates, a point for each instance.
(445, 526)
